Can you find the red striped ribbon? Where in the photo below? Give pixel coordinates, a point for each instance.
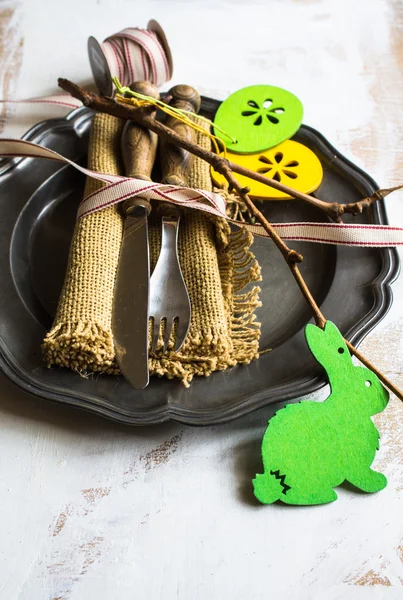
(118, 188)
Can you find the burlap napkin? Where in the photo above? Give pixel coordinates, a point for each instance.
(218, 268)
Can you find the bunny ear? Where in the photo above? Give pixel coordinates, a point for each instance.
(328, 347)
(315, 338)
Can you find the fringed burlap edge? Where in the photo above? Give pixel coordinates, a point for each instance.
(83, 347)
(239, 270)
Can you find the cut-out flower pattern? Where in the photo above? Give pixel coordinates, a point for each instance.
(281, 166)
(268, 110)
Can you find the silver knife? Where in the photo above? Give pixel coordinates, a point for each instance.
(130, 306)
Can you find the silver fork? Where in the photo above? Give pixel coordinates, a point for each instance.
(169, 298)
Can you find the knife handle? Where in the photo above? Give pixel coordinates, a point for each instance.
(139, 146)
(176, 162)
(136, 207)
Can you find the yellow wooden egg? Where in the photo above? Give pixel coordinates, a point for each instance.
(290, 163)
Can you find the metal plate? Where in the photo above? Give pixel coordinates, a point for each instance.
(38, 202)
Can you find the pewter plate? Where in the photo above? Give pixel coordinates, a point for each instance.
(38, 202)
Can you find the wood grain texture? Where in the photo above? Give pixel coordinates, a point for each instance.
(94, 510)
(176, 162)
(139, 145)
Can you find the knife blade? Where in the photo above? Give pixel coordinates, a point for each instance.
(130, 306)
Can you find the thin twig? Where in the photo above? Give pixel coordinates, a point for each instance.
(143, 117)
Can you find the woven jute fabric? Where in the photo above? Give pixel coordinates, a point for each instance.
(218, 267)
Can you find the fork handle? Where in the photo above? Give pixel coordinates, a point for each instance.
(170, 233)
(176, 162)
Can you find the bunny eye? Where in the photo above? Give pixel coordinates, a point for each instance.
(341, 350)
(368, 383)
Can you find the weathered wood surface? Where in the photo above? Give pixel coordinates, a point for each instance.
(94, 510)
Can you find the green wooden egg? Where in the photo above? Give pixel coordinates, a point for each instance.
(258, 117)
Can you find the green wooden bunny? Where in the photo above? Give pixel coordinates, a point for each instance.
(309, 448)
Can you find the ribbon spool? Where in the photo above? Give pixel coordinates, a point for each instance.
(133, 54)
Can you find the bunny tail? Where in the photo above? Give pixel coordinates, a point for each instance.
(267, 488)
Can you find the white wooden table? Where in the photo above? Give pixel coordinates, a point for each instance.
(90, 509)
